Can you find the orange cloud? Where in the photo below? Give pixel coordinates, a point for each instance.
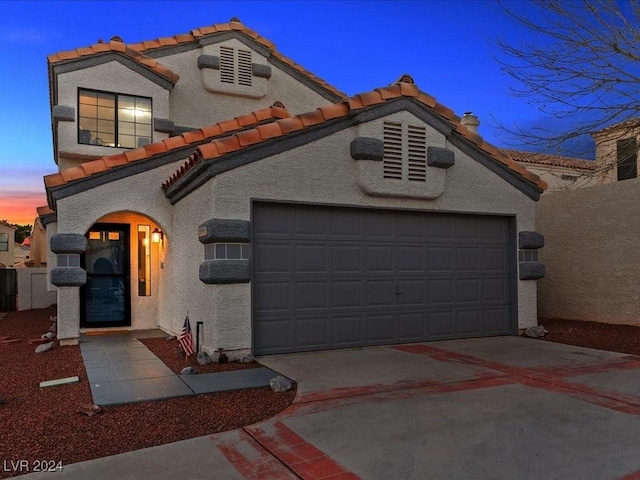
(20, 208)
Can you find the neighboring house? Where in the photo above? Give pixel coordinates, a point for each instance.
(323, 223)
(7, 244)
(617, 151)
(560, 173)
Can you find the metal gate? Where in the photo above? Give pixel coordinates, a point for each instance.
(8, 289)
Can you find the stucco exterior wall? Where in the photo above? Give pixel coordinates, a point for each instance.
(591, 253)
(193, 106)
(323, 172)
(110, 77)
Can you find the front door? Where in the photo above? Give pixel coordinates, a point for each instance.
(106, 295)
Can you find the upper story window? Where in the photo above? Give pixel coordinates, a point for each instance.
(235, 66)
(405, 152)
(626, 158)
(114, 120)
(4, 242)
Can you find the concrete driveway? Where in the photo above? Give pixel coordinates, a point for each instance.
(495, 408)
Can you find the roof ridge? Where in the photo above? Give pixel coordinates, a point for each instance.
(404, 87)
(116, 44)
(199, 135)
(541, 158)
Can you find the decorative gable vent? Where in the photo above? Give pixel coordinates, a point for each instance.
(392, 160)
(245, 72)
(417, 153)
(227, 74)
(405, 152)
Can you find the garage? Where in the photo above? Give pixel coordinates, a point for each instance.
(326, 277)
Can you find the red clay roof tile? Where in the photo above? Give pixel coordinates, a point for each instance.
(289, 125)
(248, 137)
(73, 173)
(136, 154)
(228, 144)
(209, 150)
(53, 180)
(193, 136)
(371, 98)
(336, 110)
(93, 167)
(155, 148)
(311, 118)
(115, 160)
(212, 130)
(229, 125)
(269, 130)
(245, 120)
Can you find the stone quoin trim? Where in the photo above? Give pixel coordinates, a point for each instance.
(68, 243)
(440, 157)
(68, 277)
(366, 148)
(531, 270)
(224, 230)
(63, 113)
(163, 125)
(209, 61)
(530, 240)
(225, 271)
(262, 71)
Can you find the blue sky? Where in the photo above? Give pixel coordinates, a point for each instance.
(356, 46)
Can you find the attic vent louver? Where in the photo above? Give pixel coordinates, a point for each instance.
(226, 65)
(245, 72)
(417, 153)
(392, 160)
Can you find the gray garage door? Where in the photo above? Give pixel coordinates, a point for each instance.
(329, 277)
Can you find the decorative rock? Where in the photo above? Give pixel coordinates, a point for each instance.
(45, 347)
(53, 328)
(280, 384)
(48, 336)
(203, 358)
(535, 332)
(247, 359)
(89, 409)
(188, 371)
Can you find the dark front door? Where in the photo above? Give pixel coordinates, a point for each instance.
(106, 295)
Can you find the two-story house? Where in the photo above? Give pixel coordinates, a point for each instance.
(208, 173)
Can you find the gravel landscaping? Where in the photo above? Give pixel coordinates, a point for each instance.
(52, 423)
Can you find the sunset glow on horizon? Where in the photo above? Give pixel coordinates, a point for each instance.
(20, 209)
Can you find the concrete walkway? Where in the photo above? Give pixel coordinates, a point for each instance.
(121, 369)
(495, 408)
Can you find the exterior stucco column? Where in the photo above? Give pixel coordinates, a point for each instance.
(68, 315)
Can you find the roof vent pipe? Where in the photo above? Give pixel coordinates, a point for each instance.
(470, 121)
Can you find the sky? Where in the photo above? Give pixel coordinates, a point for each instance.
(446, 46)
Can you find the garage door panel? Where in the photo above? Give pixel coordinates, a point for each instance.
(311, 295)
(329, 277)
(412, 327)
(273, 258)
(312, 333)
(346, 259)
(311, 258)
(272, 296)
(380, 328)
(346, 294)
(467, 290)
(440, 259)
(468, 322)
(411, 258)
(348, 330)
(379, 258)
(380, 293)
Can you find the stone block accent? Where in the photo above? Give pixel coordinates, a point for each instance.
(225, 271)
(163, 125)
(258, 70)
(68, 243)
(224, 230)
(530, 240)
(440, 157)
(367, 148)
(531, 270)
(63, 113)
(68, 276)
(209, 61)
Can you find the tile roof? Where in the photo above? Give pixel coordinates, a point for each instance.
(86, 169)
(136, 51)
(403, 88)
(551, 160)
(42, 211)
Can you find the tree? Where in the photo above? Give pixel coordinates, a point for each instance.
(22, 232)
(580, 65)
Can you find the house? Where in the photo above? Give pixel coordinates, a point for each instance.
(7, 244)
(617, 151)
(208, 174)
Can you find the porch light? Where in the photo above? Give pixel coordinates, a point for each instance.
(156, 235)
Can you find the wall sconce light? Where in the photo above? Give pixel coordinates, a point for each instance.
(156, 235)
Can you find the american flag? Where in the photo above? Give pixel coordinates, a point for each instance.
(186, 338)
